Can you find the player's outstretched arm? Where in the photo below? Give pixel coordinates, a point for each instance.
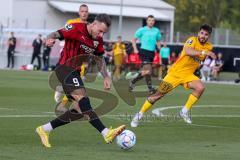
(54, 35)
(103, 70)
(192, 52)
(51, 38)
(102, 67)
(211, 54)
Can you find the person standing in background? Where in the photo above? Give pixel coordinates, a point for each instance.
(119, 52)
(37, 44)
(165, 59)
(46, 55)
(11, 49)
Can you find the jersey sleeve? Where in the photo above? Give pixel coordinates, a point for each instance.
(190, 42)
(138, 33)
(70, 31)
(100, 49)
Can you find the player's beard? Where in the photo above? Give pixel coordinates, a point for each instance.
(202, 40)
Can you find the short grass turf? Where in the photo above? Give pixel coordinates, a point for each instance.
(26, 101)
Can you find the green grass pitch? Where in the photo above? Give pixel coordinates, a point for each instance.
(26, 101)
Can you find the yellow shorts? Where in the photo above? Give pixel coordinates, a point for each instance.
(118, 59)
(171, 81)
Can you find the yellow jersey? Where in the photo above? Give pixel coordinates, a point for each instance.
(188, 64)
(119, 48)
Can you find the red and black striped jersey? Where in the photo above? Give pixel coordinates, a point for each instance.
(78, 42)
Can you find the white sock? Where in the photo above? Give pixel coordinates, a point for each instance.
(140, 115)
(104, 132)
(184, 110)
(47, 127)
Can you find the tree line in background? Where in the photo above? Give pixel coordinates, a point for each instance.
(190, 14)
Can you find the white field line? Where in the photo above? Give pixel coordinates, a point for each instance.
(121, 116)
(161, 109)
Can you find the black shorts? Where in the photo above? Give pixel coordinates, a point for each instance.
(69, 78)
(165, 61)
(146, 56)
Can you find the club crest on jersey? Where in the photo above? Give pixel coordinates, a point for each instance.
(189, 41)
(95, 43)
(68, 27)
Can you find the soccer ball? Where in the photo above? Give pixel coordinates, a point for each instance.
(126, 139)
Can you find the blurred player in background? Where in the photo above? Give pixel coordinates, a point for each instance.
(58, 96)
(165, 60)
(89, 43)
(194, 52)
(119, 52)
(149, 37)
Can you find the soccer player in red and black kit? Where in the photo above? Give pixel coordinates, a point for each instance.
(89, 42)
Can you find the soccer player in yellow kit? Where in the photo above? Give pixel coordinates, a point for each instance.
(119, 52)
(83, 16)
(182, 73)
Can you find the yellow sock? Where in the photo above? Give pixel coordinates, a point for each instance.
(83, 68)
(146, 106)
(191, 101)
(65, 100)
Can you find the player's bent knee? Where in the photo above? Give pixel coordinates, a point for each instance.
(200, 88)
(57, 96)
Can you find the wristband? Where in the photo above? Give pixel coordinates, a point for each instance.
(203, 52)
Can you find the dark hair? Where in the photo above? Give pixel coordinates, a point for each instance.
(83, 5)
(104, 18)
(206, 27)
(150, 16)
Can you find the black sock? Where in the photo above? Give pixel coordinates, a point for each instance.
(66, 118)
(139, 77)
(87, 110)
(95, 121)
(148, 81)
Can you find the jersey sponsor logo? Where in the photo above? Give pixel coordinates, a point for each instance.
(87, 49)
(68, 27)
(196, 59)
